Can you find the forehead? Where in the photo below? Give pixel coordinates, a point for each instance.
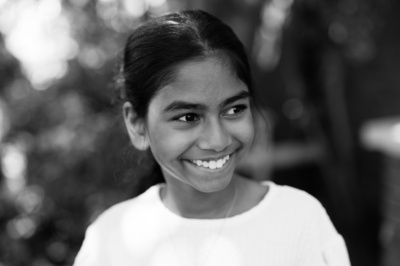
(209, 81)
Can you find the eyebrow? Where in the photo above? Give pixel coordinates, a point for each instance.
(237, 97)
(182, 105)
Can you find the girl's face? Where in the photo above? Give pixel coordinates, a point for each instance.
(200, 126)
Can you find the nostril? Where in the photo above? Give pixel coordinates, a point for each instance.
(215, 143)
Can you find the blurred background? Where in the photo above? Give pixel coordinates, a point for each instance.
(327, 81)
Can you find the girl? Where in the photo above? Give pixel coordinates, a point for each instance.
(189, 100)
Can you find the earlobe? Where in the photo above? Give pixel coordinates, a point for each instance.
(136, 127)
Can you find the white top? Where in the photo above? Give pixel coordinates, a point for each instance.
(288, 227)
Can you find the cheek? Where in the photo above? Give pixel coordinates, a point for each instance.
(249, 133)
(245, 132)
(165, 142)
(161, 141)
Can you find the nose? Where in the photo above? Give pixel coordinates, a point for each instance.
(214, 136)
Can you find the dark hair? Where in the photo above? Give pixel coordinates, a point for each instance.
(156, 48)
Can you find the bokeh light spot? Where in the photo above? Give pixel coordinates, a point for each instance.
(30, 200)
(293, 109)
(338, 32)
(57, 250)
(135, 8)
(21, 227)
(13, 162)
(156, 3)
(38, 34)
(92, 57)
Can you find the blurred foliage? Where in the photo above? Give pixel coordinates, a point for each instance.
(65, 140)
(73, 142)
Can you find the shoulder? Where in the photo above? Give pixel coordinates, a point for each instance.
(297, 204)
(125, 210)
(293, 196)
(304, 214)
(121, 227)
(306, 208)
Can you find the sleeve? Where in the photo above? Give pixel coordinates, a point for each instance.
(334, 250)
(89, 253)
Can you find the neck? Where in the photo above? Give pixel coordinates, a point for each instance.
(191, 203)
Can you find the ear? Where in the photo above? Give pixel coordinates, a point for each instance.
(136, 127)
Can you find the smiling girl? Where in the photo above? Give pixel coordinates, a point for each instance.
(189, 100)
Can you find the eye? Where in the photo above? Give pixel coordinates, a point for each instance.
(188, 118)
(236, 110)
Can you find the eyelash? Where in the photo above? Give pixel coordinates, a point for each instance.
(241, 107)
(196, 117)
(186, 115)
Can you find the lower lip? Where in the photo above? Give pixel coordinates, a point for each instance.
(212, 170)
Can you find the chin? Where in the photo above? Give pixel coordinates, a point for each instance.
(213, 186)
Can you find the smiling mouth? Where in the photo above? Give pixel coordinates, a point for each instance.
(217, 164)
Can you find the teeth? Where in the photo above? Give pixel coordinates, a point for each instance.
(212, 164)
